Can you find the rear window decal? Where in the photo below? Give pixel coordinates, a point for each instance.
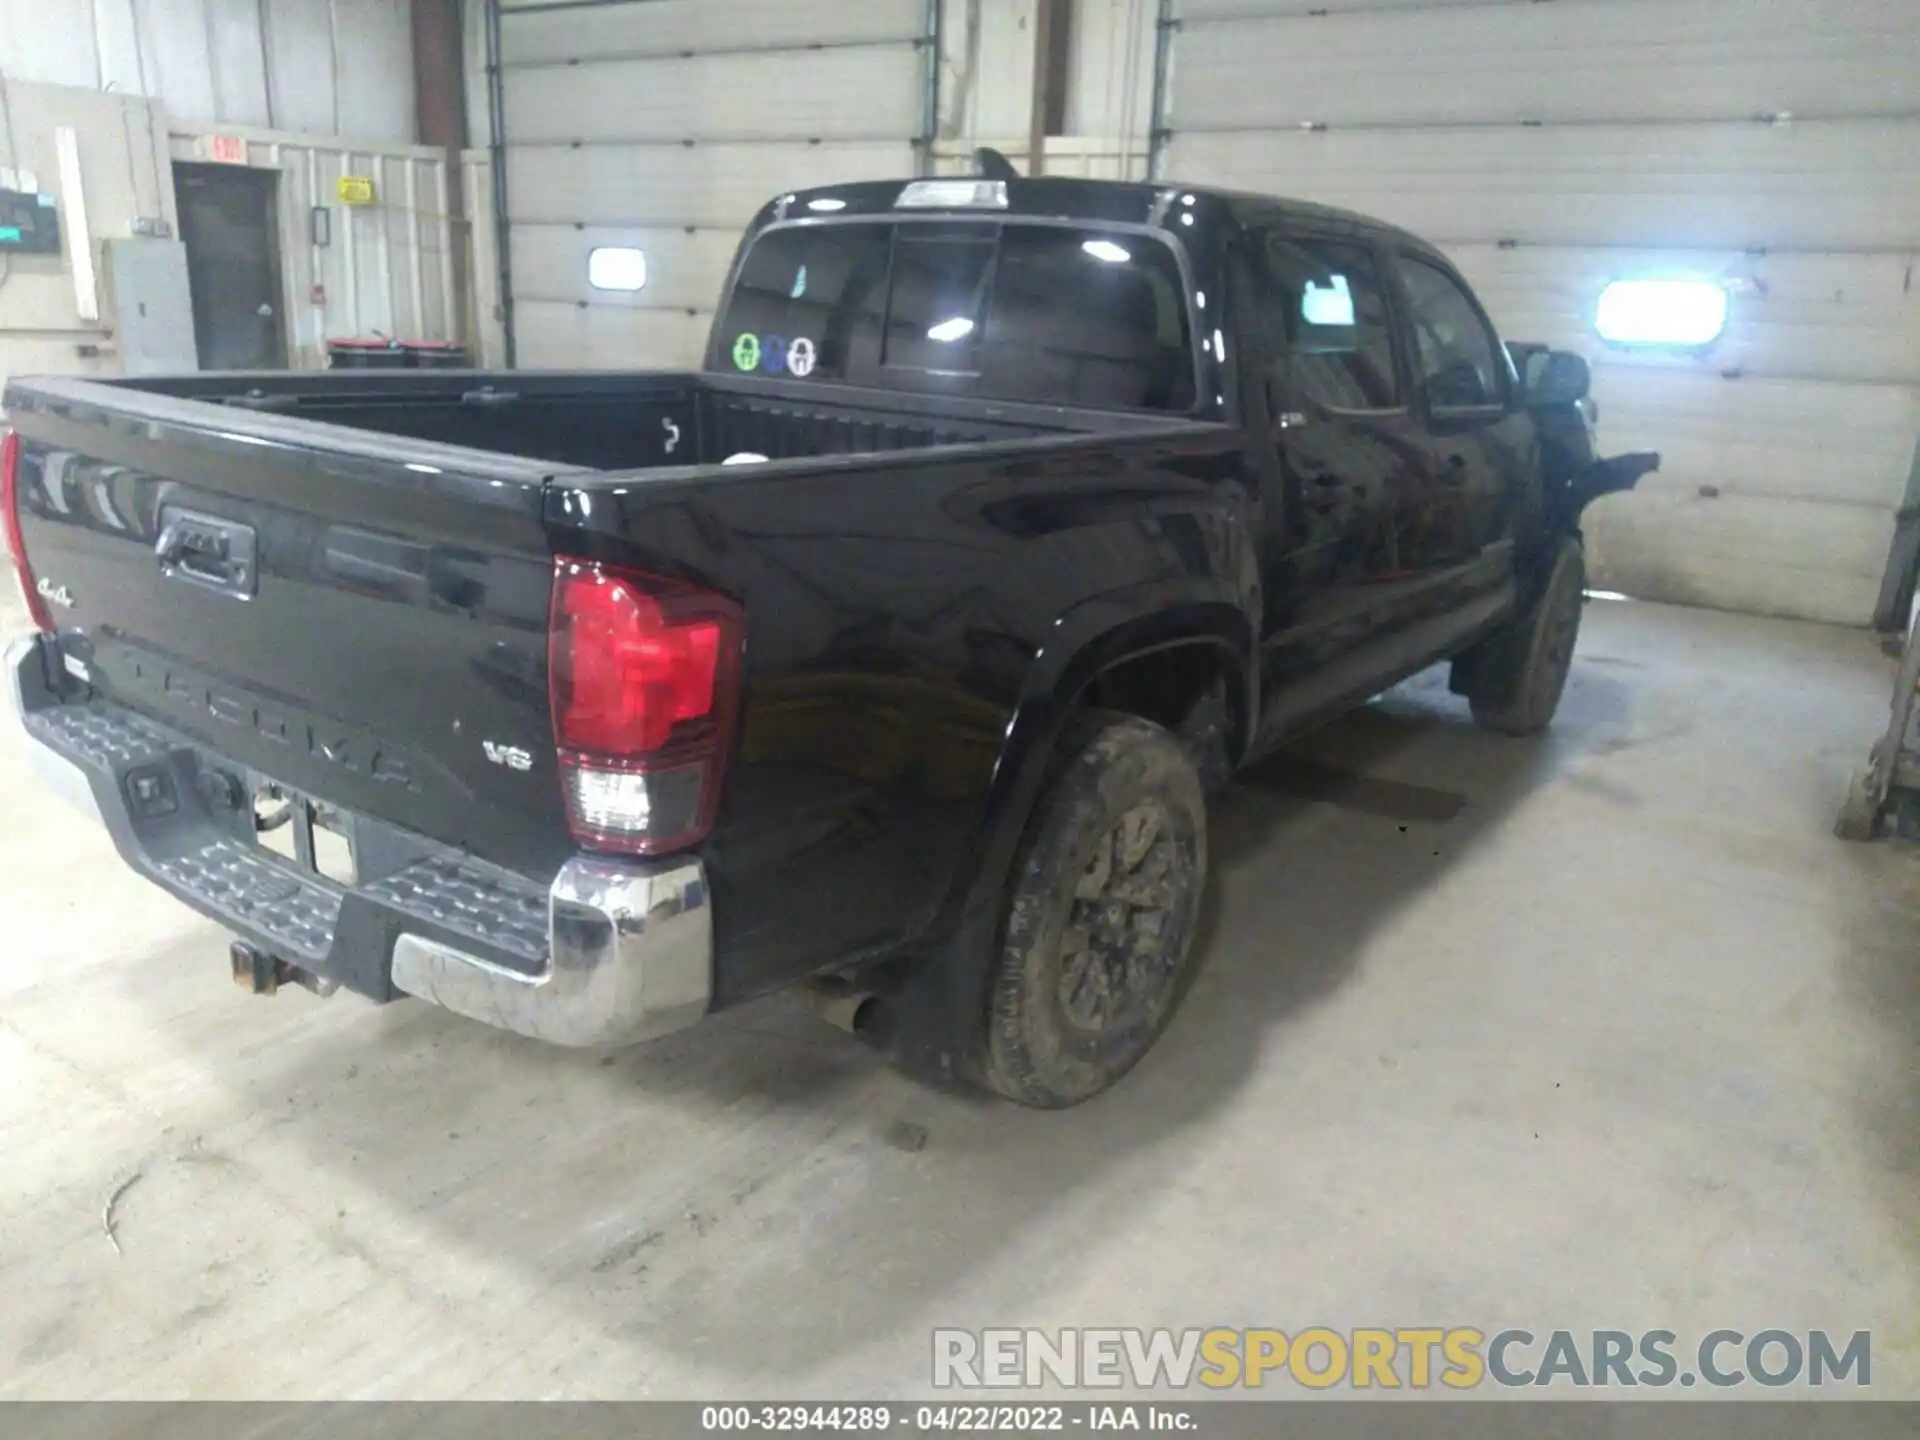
(746, 351)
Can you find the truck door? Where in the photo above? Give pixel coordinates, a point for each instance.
(1481, 439)
(1351, 448)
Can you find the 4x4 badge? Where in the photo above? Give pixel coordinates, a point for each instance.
(56, 594)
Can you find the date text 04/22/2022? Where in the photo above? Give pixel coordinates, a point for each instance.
(960, 1418)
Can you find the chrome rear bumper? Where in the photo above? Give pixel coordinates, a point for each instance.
(629, 957)
(627, 949)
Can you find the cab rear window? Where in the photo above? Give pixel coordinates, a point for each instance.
(1049, 314)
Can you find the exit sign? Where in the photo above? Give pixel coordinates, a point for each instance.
(227, 149)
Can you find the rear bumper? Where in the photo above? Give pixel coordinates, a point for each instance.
(610, 953)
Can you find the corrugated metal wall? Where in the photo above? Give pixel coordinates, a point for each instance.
(386, 270)
(664, 124)
(330, 67)
(986, 86)
(1553, 148)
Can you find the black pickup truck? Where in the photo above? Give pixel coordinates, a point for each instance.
(892, 653)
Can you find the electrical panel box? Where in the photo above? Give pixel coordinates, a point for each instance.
(29, 224)
(152, 306)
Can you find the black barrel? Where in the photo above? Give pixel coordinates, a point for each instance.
(365, 355)
(434, 355)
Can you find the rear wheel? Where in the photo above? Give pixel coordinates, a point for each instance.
(1515, 678)
(1096, 951)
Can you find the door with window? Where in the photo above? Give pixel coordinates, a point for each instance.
(1352, 451)
(1480, 438)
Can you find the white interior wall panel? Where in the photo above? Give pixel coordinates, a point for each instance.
(805, 95)
(373, 68)
(1262, 9)
(1568, 61)
(1554, 148)
(672, 27)
(1110, 71)
(305, 64)
(237, 60)
(387, 270)
(1837, 185)
(566, 335)
(1792, 315)
(335, 67)
(485, 328)
(684, 271)
(665, 124)
(124, 176)
(716, 185)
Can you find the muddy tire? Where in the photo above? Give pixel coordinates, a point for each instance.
(1514, 680)
(1095, 954)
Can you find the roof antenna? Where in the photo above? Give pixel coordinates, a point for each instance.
(993, 165)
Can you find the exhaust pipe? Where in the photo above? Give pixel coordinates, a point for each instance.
(840, 1005)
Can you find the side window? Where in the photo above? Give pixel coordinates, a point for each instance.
(1333, 322)
(1460, 361)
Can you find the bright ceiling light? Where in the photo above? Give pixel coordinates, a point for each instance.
(617, 267)
(958, 328)
(1662, 312)
(1108, 251)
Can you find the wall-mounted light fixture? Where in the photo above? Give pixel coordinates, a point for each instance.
(617, 267)
(1682, 313)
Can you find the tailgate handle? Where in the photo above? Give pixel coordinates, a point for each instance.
(487, 395)
(206, 550)
(260, 400)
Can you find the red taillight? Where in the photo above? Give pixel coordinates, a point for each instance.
(16, 541)
(643, 676)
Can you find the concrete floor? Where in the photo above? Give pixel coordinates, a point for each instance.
(1597, 1030)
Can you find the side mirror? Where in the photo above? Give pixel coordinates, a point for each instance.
(1557, 379)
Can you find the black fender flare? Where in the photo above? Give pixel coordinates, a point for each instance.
(1089, 638)
(935, 1019)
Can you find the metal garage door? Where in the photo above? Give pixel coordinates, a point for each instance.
(1554, 148)
(662, 125)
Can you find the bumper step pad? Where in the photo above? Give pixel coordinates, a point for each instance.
(297, 914)
(470, 899)
(612, 952)
(293, 912)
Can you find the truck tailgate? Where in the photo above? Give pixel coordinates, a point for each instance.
(359, 618)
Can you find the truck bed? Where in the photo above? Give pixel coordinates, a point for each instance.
(622, 420)
(341, 581)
